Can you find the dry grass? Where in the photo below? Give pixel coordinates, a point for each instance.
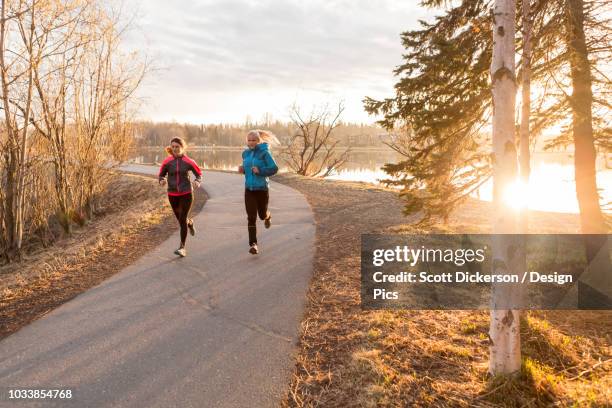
(354, 358)
(136, 218)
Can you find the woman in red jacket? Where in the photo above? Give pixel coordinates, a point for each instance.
(180, 194)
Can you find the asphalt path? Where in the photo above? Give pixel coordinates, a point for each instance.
(217, 328)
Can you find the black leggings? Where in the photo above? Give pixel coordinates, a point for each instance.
(256, 202)
(181, 205)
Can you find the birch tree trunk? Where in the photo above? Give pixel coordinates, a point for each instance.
(505, 349)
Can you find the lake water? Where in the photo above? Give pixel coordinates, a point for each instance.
(551, 185)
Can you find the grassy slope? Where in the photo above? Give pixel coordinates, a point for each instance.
(349, 357)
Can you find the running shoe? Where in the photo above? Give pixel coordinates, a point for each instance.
(191, 228)
(181, 252)
(253, 250)
(268, 221)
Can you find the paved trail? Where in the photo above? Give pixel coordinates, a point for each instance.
(215, 329)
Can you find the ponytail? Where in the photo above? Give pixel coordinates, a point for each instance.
(265, 136)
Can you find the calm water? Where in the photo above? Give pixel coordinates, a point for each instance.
(551, 186)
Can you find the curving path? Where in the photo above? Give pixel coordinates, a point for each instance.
(215, 329)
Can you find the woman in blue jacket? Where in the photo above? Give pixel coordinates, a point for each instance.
(257, 165)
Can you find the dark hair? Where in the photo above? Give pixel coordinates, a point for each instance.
(180, 141)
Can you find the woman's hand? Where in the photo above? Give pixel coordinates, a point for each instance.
(255, 170)
(241, 169)
(196, 184)
(162, 182)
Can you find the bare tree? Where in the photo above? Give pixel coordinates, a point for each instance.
(65, 95)
(312, 150)
(62, 39)
(106, 79)
(16, 84)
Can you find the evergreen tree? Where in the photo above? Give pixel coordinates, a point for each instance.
(441, 105)
(443, 101)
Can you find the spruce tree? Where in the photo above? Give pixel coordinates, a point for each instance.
(443, 101)
(441, 105)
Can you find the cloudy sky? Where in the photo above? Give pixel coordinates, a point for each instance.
(223, 60)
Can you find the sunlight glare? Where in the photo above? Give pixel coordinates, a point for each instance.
(517, 194)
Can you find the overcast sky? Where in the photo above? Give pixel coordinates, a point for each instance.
(221, 60)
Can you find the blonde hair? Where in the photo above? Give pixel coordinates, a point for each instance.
(264, 136)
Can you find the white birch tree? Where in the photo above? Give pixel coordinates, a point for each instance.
(505, 348)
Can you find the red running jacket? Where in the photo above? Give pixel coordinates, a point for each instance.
(177, 169)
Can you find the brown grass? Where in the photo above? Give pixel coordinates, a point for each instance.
(136, 218)
(353, 358)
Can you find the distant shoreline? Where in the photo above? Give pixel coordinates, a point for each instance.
(239, 148)
(353, 149)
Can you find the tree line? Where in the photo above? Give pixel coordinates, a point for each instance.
(225, 134)
(66, 97)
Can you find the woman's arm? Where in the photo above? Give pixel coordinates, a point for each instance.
(193, 166)
(163, 170)
(270, 168)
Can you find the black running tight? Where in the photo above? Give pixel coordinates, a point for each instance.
(256, 203)
(181, 205)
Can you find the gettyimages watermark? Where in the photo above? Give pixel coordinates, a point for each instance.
(486, 271)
